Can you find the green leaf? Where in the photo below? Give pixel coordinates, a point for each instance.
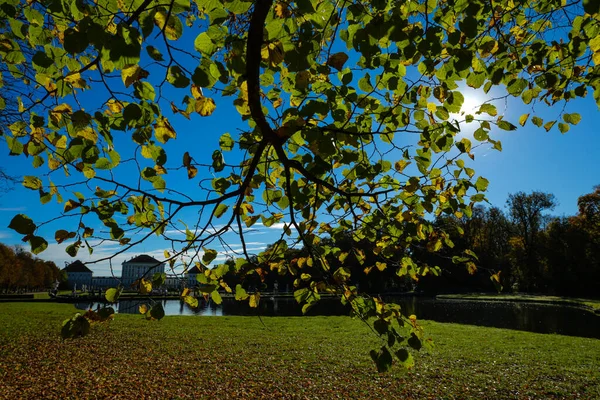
(382, 359)
(240, 293)
(75, 41)
(15, 147)
(177, 78)
(112, 295)
(563, 128)
(226, 142)
(489, 109)
(405, 358)
(216, 297)
(131, 74)
(209, 255)
(78, 326)
(220, 210)
(505, 125)
(106, 313)
(38, 244)
(337, 60)
(342, 274)
(204, 44)
(22, 224)
(144, 91)
(516, 87)
(364, 83)
(172, 27)
(61, 235)
(72, 249)
(481, 184)
(154, 53)
(157, 311)
(159, 279)
(218, 163)
(32, 182)
(414, 342)
(454, 102)
(572, 119)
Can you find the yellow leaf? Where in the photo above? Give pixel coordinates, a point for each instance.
(130, 74)
(112, 28)
(225, 286)
(61, 143)
(244, 91)
(145, 286)
(38, 134)
(472, 268)
(160, 170)
(89, 134)
(146, 153)
(523, 119)
(246, 208)
(337, 60)
(381, 266)
(205, 106)
(114, 106)
(254, 300)
(58, 111)
(53, 163)
(379, 305)
(192, 172)
(400, 165)
(143, 309)
(191, 301)
(496, 277)
(282, 10)
(596, 58)
(163, 130)
(70, 205)
(197, 92)
(75, 80)
(273, 53)
(171, 31)
(301, 261)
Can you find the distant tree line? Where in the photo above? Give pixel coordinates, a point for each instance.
(21, 271)
(528, 249)
(534, 251)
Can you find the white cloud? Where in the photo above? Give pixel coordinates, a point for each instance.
(12, 208)
(5, 235)
(277, 225)
(209, 231)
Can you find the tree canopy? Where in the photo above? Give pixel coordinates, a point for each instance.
(352, 117)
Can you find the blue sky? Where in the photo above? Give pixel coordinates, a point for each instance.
(532, 159)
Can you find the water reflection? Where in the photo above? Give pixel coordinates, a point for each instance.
(542, 318)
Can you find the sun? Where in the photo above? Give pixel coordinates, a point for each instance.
(474, 98)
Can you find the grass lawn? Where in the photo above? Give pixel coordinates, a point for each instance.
(296, 358)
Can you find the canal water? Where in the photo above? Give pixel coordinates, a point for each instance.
(541, 318)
